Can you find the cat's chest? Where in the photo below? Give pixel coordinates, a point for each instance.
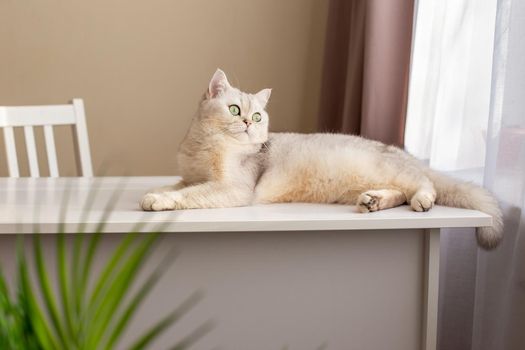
(219, 162)
(239, 166)
(223, 166)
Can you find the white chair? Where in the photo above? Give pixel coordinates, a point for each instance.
(47, 117)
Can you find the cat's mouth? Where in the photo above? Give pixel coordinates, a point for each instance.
(239, 129)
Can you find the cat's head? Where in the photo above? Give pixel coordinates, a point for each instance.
(240, 115)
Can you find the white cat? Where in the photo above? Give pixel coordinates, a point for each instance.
(229, 159)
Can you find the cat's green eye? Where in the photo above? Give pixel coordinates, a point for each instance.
(256, 117)
(235, 110)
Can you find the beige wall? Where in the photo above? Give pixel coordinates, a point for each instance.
(141, 67)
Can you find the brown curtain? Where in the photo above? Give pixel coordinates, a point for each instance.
(366, 65)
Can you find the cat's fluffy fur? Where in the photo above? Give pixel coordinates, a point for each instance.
(229, 161)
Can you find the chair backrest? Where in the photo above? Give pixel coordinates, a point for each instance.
(28, 117)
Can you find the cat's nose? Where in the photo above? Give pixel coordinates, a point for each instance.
(247, 122)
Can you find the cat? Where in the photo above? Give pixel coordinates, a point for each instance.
(228, 159)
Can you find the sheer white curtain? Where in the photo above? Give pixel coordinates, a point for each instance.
(448, 104)
(499, 312)
(466, 115)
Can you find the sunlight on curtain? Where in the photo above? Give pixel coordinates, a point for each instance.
(449, 92)
(446, 125)
(466, 116)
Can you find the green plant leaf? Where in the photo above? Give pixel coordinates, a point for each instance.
(109, 270)
(47, 291)
(8, 335)
(136, 301)
(63, 278)
(194, 336)
(118, 289)
(95, 237)
(85, 311)
(4, 290)
(63, 282)
(77, 251)
(151, 334)
(28, 301)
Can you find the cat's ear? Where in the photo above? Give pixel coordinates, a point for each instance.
(218, 84)
(263, 96)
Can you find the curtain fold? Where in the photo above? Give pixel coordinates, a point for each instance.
(365, 75)
(447, 122)
(466, 116)
(450, 84)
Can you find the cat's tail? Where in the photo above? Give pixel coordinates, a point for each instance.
(456, 193)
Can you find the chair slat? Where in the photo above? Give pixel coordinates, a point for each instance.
(10, 147)
(82, 138)
(31, 151)
(51, 151)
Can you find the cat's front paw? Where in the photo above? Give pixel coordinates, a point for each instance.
(367, 202)
(157, 202)
(422, 201)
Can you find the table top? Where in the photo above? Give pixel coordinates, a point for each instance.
(25, 202)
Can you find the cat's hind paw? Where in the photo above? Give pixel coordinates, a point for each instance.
(422, 201)
(157, 202)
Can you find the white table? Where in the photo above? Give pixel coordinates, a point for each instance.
(331, 274)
